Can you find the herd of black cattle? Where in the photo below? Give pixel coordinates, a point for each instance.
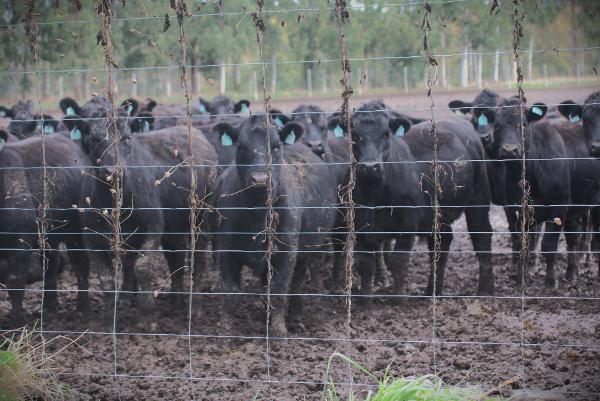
(480, 155)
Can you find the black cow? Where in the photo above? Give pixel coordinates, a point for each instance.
(383, 146)
(140, 121)
(583, 136)
(155, 192)
(25, 122)
(223, 105)
(70, 182)
(303, 198)
(589, 114)
(549, 181)
(382, 206)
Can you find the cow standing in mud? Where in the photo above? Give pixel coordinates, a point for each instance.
(548, 174)
(70, 180)
(303, 195)
(155, 194)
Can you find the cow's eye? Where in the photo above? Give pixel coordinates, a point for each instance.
(276, 148)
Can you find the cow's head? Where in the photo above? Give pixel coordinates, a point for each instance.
(93, 128)
(23, 123)
(371, 133)
(223, 105)
(250, 139)
(315, 128)
(589, 114)
(507, 120)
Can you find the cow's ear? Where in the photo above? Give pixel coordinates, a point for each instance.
(278, 118)
(399, 126)
(69, 106)
(334, 124)
(150, 105)
(5, 112)
(76, 126)
(460, 107)
(536, 112)
(242, 107)
(50, 125)
(290, 133)
(3, 138)
(571, 110)
(483, 116)
(204, 105)
(131, 106)
(142, 123)
(228, 134)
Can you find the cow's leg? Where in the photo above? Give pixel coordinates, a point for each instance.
(17, 264)
(174, 250)
(480, 230)
(296, 304)
(398, 260)
(515, 237)
(143, 269)
(284, 264)
(365, 260)
(336, 283)
(230, 270)
(549, 246)
(81, 264)
(381, 268)
(437, 275)
(53, 260)
(575, 227)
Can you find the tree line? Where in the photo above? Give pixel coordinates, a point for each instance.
(472, 43)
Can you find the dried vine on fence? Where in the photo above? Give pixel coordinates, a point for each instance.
(42, 209)
(435, 168)
(116, 178)
(259, 23)
(517, 17)
(181, 10)
(346, 193)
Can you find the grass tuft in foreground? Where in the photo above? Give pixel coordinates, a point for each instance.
(26, 372)
(425, 388)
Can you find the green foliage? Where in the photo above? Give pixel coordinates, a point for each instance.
(424, 388)
(27, 372)
(302, 31)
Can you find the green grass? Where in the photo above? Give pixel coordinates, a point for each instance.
(27, 372)
(387, 388)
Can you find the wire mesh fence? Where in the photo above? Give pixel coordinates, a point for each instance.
(176, 247)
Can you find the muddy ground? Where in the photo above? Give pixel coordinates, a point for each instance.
(477, 340)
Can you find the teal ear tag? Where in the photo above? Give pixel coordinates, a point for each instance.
(482, 120)
(48, 129)
(129, 109)
(226, 140)
(2, 113)
(291, 138)
(202, 108)
(278, 122)
(75, 134)
(338, 131)
(537, 110)
(400, 131)
(245, 109)
(146, 126)
(574, 118)
(70, 111)
(2, 143)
